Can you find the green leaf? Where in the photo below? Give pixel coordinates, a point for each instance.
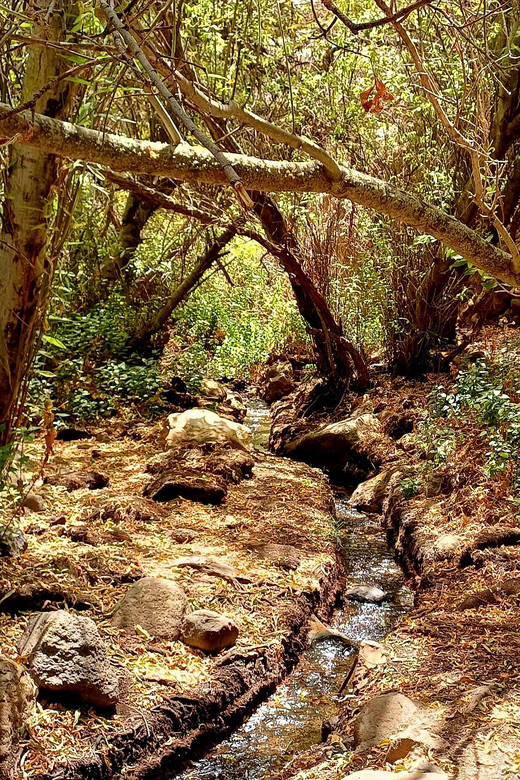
(54, 342)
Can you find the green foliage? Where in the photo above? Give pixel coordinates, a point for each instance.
(410, 486)
(479, 394)
(230, 329)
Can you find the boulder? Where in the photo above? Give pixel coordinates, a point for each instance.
(155, 604)
(366, 593)
(198, 426)
(188, 483)
(209, 631)
(283, 555)
(382, 718)
(278, 382)
(65, 653)
(183, 535)
(17, 705)
(13, 541)
(33, 502)
(212, 390)
(369, 495)
(76, 480)
(347, 442)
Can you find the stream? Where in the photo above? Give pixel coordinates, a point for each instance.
(289, 721)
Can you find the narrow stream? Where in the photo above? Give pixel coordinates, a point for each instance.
(290, 720)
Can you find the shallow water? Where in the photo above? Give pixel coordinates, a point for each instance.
(290, 720)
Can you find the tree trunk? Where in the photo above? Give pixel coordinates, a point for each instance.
(26, 269)
(336, 358)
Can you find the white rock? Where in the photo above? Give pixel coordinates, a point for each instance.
(197, 426)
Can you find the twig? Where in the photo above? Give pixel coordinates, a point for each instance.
(175, 107)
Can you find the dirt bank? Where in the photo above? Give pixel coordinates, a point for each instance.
(453, 525)
(176, 697)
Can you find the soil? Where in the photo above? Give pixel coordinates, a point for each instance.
(82, 556)
(457, 650)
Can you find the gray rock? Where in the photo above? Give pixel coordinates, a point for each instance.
(366, 593)
(17, 705)
(34, 502)
(198, 426)
(155, 604)
(65, 653)
(209, 631)
(278, 382)
(383, 717)
(189, 483)
(13, 541)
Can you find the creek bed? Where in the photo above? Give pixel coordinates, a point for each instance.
(289, 721)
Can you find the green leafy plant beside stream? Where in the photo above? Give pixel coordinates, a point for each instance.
(483, 394)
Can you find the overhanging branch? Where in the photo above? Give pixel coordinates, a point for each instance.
(197, 165)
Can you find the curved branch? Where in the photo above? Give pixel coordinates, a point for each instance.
(197, 165)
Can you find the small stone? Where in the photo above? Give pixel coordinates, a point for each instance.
(17, 705)
(366, 593)
(65, 653)
(446, 544)
(33, 502)
(209, 631)
(183, 535)
(157, 605)
(13, 541)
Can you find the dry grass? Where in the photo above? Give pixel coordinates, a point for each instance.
(284, 502)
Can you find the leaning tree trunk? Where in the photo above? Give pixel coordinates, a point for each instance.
(337, 359)
(25, 267)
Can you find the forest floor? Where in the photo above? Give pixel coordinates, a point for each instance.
(77, 560)
(455, 527)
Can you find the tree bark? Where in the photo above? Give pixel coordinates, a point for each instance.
(26, 269)
(193, 164)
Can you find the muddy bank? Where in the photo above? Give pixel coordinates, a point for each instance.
(157, 740)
